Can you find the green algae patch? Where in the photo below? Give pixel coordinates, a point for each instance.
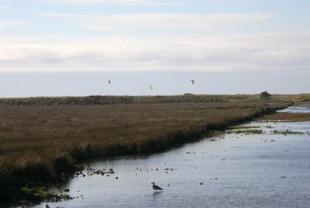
(40, 193)
(37, 193)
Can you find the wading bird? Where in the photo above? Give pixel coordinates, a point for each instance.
(156, 188)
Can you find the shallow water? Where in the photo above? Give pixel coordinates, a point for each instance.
(260, 170)
(296, 109)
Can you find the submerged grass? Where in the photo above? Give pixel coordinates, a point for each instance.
(244, 127)
(245, 131)
(287, 132)
(41, 144)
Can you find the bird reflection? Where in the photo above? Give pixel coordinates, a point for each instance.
(156, 194)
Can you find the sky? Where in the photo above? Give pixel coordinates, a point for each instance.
(73, 47)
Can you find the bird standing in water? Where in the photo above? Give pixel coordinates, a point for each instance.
(156, 188)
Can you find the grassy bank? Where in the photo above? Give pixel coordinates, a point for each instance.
(293, 117)
(41, 144)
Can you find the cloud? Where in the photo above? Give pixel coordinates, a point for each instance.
(144, 21)
(235, 2)
(5, 24)
(118, 2)
(276, 51)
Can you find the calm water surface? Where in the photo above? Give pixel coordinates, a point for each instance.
(297, 109)
(235, 170)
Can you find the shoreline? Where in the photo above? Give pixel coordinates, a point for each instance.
(67, 164)
(286, 117)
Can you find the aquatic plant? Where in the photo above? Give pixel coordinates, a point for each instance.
(286, 132)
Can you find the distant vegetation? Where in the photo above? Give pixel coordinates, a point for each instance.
(108, 100)
(186, 98)
(265, 95)
(306, 98)
(43, 139)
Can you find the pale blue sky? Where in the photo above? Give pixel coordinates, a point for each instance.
(285, 13)
(138, 83)
(219, 39)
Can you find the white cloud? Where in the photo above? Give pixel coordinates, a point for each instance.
(134, 22)
(256, 52)
(118, 2)
(4, 24)
(235, 2)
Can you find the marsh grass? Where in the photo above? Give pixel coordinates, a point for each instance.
(39, 143)
(293, 117)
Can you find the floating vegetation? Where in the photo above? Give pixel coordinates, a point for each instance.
(102, 172)
(42, 193)
(245, 131)
(287, 132)
(245, 127)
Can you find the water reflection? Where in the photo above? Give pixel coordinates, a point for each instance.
(296, 109)
(156, 194)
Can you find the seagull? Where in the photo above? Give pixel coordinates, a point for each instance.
(156, 188)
